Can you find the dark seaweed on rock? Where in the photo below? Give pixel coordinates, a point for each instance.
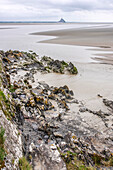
(58, 66)
(30, 60)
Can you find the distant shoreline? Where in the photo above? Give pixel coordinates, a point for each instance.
(51, 22)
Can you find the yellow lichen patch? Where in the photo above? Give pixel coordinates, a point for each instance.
(6, 60)
(19, 54)
(74, 137)
(111, 154)
(62, 91)
(55, 90)
(52, 107)
(63, 103)
(40, 99)
(42, 107)
(51, 96)
(32, 102)
(46, 102)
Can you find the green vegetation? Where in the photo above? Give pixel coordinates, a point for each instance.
(4, 102)
(12, 89)
(73, 163)
(2, 150)
(3, 96)
(5, 106)
(62, 70)
(111, 161)
(45, 58)
(48, 69)
(32, 56)
(0, 70)
(0, 65)
(24, 164)
(74, 71)
(97, 159)
(64, 63)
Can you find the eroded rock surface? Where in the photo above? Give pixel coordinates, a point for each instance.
(58, 132)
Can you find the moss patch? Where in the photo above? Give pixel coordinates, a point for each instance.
(111, 161)
(74, 71)
(97, 159)
(64, 63)
(2, 149)
(73, 163)
(24, 164)
(12, 89)
(5, 106)
(30, 55)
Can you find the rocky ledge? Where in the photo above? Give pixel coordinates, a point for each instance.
(41, 129)
(31, 60)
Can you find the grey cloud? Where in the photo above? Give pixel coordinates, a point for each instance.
(86, 5)
(46, 9)
(68, 5)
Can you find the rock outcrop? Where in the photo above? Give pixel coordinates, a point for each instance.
(12, 143)
(40, 125)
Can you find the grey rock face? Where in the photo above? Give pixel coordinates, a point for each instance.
(48, 158)
(50, 120)
(13, 143)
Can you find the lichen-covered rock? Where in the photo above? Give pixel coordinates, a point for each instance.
(63, 104)
(13, 143)
(47, 157)
(53, 137)
(58, 66)
(72, 69)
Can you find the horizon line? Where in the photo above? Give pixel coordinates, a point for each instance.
(53, 22)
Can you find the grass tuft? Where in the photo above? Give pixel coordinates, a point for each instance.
(24, 164)
(2, 150)
(5, 106)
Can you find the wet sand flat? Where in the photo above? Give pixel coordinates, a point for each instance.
(93, 36)
(101, 37)
(92, 79)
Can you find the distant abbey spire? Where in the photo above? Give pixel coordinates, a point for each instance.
(62, 20)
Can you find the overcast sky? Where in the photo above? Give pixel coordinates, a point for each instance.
(53, 10)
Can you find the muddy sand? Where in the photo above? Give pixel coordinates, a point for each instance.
(93, 36)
